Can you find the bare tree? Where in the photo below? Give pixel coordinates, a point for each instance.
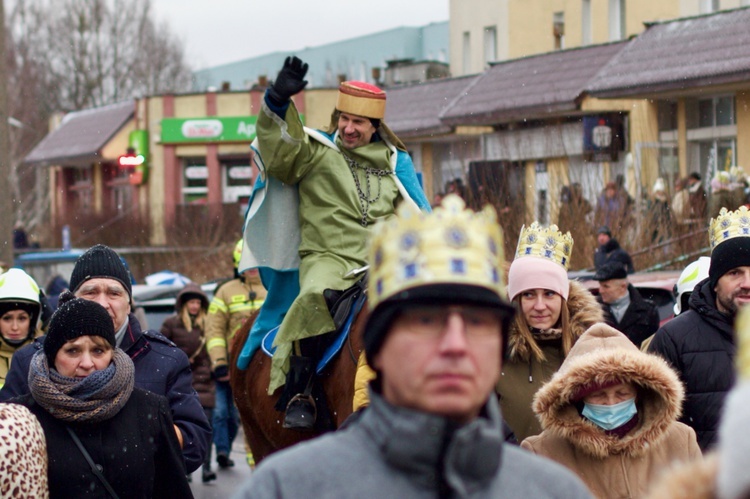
(67, 55)
(101, 51)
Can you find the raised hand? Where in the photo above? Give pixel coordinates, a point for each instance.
(290, 81)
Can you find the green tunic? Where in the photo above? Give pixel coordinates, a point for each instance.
(333, 240)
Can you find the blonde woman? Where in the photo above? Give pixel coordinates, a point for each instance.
(553, 312)
(187, 329)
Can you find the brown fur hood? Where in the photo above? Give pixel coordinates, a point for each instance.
(601, 355)
(584, 312)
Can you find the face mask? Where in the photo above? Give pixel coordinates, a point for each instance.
(610, 417)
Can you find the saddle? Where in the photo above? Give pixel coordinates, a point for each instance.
(344, 307)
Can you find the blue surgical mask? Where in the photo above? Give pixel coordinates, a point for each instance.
(610, 417)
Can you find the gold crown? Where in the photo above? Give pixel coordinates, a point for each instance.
(729, 224)
(545, 242)
(452, 245)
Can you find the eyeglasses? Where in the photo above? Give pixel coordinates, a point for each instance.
(433, 320)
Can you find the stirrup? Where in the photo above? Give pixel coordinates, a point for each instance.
(301, 413)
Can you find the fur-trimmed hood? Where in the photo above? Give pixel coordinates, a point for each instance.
(583, 309)
(602, 355)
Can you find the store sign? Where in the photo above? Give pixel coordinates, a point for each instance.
(603, 137)
(209, 129)
(241, 172)
(130, 161)
(135, 160)
(196, 172)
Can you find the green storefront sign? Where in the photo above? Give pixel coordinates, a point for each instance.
(208, 129)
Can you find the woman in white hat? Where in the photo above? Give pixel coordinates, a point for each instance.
(19, 314)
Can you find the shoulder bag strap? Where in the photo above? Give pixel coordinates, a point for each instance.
(94, 467)
(198, 351)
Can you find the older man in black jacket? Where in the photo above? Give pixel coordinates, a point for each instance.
(700, 343)
(624, 307)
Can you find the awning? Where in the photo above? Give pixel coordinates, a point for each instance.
(81, 136)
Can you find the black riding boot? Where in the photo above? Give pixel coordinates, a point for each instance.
(301, 411)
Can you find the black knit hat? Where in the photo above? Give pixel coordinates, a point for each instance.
(100, 261)
(76, 318)
(730, 254)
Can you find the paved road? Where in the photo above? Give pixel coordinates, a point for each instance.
(227, 481)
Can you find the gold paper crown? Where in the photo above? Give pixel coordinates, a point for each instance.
(545, 242)
(729, 224)
(452, 245)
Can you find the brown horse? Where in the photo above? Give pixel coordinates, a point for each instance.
(260, 420)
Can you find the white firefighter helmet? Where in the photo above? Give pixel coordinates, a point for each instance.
(692, 275)
(19, 290)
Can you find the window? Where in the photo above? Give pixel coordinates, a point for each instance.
(667, 115)
(194, 181)
(237, 183)
(586, 31)
(711, 112)
(558, 29)
(617, 29)
(490, 44)
(466, 53)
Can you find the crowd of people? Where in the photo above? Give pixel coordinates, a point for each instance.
(468, 387)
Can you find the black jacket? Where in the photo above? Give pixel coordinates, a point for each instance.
(137, 450)
(612, 252)
(640, 321)
(700, 345)
(160, 367)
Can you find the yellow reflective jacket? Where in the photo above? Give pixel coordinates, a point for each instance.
(232, 304)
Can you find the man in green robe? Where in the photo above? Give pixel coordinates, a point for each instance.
(348, 178)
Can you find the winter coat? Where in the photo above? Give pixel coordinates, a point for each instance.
(6, 355)
(397, 452)
(613, 252)
(522, 375)
(160, 367)
(233, 303)
(137, 450)
(724, 472)
(700, 345)
(698, 202)
(640, 321)
(193, 343)
(609, 465)
(24, 451)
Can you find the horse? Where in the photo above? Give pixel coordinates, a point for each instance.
(261, 422)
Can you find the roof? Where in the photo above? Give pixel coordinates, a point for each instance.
(81, 135)
(535, 87)
(414, 110)
(681, 54)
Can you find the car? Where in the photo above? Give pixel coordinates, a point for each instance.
(657, 286)
(153, 304)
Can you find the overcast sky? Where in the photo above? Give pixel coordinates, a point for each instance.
(221, 31)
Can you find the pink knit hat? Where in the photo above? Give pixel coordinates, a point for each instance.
(532, 272)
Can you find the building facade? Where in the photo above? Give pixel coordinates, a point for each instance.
(484, 31)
